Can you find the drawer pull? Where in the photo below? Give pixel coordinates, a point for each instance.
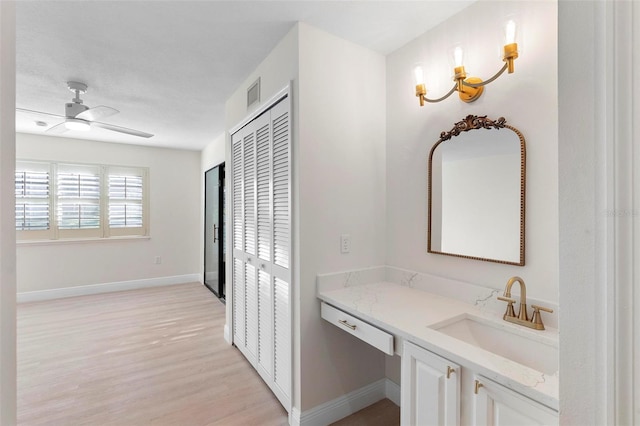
(449, 371)
(346, 324)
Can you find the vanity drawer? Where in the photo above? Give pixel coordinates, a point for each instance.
(374, 336)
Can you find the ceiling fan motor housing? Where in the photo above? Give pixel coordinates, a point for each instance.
(72, 109)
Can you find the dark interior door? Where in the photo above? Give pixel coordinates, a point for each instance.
(214, 236)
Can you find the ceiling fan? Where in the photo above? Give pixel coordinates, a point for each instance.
(80, 117)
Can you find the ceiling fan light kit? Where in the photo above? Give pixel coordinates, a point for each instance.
(80, 117)
(76, 124)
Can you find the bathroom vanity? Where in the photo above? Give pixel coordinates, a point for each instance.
(461, 362)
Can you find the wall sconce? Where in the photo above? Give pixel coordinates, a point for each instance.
(470, 88)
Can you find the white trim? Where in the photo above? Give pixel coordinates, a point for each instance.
(83, 290)
(392, 391)
(83, 240)
(620, 186)
(227, 334)
(341, 407)
(281, 94)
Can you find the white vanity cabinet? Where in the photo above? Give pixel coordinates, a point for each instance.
(430, 390)
(445, 380)
(497, 405)
(436, 391)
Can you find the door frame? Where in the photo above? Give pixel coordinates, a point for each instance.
(221, 259)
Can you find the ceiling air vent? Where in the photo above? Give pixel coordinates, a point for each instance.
(253, 93)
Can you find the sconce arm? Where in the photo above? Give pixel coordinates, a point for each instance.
(453, 89)
(484, 83)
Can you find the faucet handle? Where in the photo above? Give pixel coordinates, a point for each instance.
(536, 318)
(510, 312)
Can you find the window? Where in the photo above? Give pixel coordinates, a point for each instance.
(32, 199)
(64, 200)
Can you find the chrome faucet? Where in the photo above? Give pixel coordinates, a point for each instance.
(522, 318)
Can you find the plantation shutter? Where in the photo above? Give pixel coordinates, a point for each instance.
(33, 200)
(78, 195)
(58, 201)
(32, 209)
(126, 194)
(261, 238)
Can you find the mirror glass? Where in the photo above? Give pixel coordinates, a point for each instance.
(477, 192)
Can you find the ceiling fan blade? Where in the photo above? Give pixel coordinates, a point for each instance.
(30, 111)
(57, 129)
(121, 129)
(97, 113)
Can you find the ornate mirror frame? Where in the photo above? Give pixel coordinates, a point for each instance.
(469, 123)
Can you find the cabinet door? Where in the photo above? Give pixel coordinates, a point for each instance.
(497, 405)
(430, 388)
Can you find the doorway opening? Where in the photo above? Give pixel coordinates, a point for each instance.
(214, 231)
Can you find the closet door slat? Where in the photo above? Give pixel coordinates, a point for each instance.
(238, 303)
(282, 336)
(265, 322)
(264, 218)
(281, 184)
(237, 195)
(249, 179)
(251, 312)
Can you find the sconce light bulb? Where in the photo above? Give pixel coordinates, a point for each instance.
(510, 32)
(418, 74)
(457, 56)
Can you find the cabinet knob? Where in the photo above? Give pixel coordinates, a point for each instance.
(477, 387)
(450, 370)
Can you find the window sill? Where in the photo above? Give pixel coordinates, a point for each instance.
(82, 240)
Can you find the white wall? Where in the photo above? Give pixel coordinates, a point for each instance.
(212, 155)
(7, 215)
(527, 99)
(341, 176)
(276, 71)
(174, 190)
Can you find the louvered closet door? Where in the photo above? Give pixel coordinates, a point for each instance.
(238, 283)
(281, 234)
(264, 219)
(261, 239)
(249, 204)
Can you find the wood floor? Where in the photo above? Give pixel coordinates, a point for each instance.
(144, 357)
(151, 356)
(382, 413)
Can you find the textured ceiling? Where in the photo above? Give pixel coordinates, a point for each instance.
(169, 66)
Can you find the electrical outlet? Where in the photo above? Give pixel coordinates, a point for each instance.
(157, 260)
(345, 243)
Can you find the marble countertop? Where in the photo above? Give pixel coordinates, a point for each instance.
(408, 314)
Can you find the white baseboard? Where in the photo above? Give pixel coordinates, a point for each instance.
(340, 407)
(392, 391)
(83, 290)
(227, 334)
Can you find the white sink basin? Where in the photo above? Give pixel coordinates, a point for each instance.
(539, 352)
